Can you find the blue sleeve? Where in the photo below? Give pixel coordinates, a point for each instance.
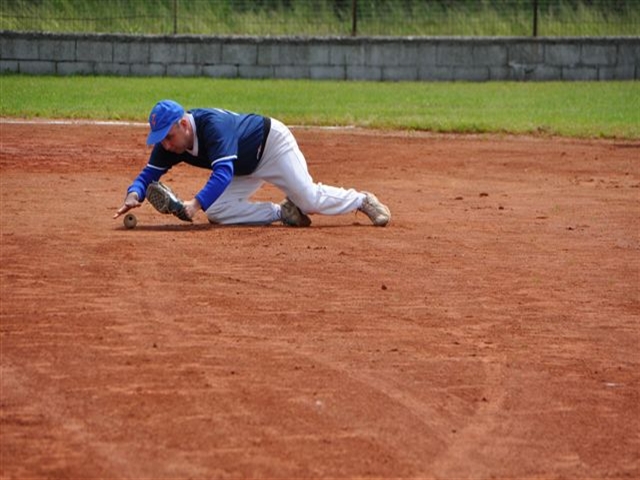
(148, 174)
(218, 181)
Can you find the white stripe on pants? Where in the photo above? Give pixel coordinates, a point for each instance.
(284, 166)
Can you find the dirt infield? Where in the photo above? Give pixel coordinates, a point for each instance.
(490, 331)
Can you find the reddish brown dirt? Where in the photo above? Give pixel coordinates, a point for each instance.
(491, 331)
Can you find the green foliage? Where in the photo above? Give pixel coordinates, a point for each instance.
(325, 17)
(581, 109)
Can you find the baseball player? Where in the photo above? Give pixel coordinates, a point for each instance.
(242, 151)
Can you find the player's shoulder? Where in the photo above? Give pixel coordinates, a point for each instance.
(213, 117)
(212, 113)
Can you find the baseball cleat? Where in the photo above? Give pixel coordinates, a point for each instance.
(292, 216)
(378, 213)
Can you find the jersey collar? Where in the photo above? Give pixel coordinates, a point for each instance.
(194, 150)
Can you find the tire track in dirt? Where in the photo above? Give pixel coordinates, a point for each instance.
(64, 431)
(426, 429)
(465, 453)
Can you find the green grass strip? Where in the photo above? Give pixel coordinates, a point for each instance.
(574, 109)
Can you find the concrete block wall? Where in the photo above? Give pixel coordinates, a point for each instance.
(372, 59)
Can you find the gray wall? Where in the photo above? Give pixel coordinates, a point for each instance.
(375, 59)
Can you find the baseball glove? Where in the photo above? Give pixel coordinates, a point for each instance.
(165, 201)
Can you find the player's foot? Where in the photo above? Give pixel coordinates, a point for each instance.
(292, 216)
(378, 213)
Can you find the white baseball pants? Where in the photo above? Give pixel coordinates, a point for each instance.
(284, 166)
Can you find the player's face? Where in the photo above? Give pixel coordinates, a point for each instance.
(177, 140)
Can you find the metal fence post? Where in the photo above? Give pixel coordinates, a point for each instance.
(354, 18)
(535, 18)
(175, 17)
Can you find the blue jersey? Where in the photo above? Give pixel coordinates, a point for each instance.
(227, 143)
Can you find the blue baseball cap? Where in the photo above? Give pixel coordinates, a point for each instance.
(161, 119)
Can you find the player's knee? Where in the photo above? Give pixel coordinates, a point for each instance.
(216, 213)
(306, 201)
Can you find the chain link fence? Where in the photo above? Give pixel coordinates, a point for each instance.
(318, 18)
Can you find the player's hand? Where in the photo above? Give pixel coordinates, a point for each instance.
(131, 201)
(192, 207)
